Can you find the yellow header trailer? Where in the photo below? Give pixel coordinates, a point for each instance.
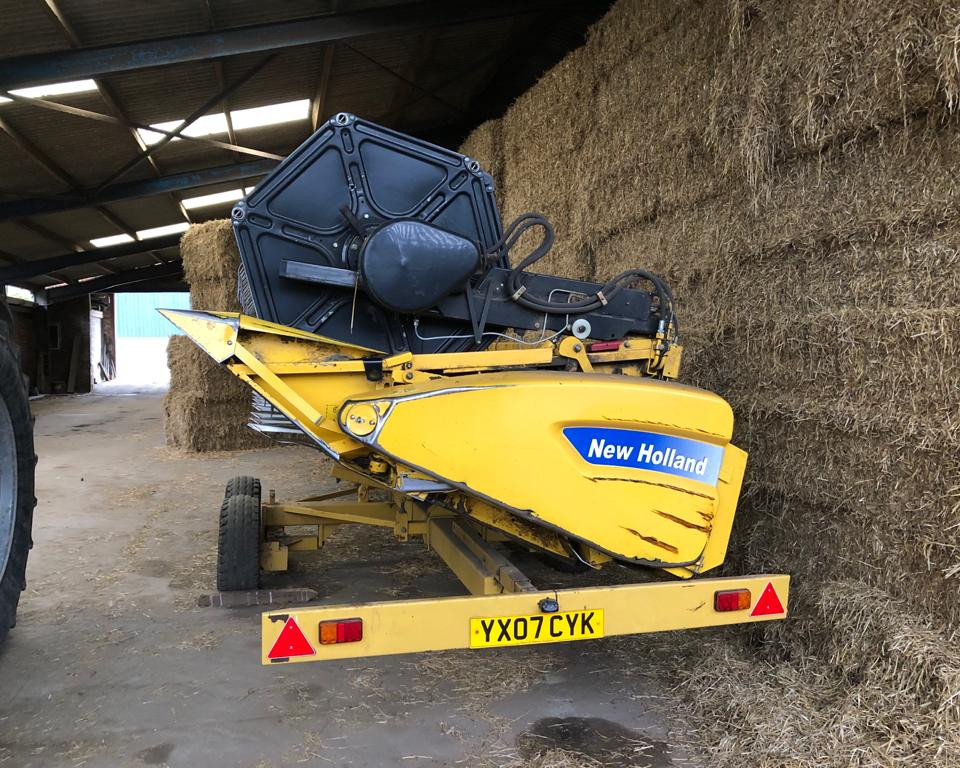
(519, 618)
(504, 607)
(586, 451)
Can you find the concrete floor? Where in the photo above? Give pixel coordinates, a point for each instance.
(113, 664)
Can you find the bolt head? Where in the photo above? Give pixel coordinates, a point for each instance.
(577, 347)
(549, 605)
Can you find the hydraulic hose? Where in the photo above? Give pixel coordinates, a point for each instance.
(611, 288)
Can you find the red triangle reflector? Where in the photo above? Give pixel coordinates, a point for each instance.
(769, 602)
(291, 642)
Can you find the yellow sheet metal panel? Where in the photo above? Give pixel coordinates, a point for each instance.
(591, 455)
(628, 465)
(252, 347)
(515, 527)
(410, 626)
(326, 389)
(215, 333)
(731, 478)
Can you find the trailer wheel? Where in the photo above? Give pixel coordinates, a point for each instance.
(242, 485)
(17, 462)
(238, 551)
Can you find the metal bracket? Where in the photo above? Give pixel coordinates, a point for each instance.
(373, 369)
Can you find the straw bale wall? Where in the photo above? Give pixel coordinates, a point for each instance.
(790, 168)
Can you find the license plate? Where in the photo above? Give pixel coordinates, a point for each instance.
(493, 631)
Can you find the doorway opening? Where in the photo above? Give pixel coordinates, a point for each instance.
(142, 335)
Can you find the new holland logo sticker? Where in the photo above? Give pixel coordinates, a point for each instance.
(670, 455)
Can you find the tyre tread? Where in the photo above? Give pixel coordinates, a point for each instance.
(238, 550)
(13, 576)
(242, 485)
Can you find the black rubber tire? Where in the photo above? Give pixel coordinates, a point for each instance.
(242, 485)
(238, 550)
(14, 395)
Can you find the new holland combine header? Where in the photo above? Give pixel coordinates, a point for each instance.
(466, 402)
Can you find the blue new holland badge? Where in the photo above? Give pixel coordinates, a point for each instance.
(671, 455)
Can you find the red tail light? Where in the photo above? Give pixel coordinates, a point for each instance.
(731, 600)
(341, 631)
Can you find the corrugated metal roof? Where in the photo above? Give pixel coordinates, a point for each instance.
(28, 27)
(368, 77)
(106, 21)
(241, 13)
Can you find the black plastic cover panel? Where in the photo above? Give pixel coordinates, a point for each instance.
(295, 215)
(408, 266)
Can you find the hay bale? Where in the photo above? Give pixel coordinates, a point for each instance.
(206, 407)
(485, 145)
(893, 369)
(801, 76)
(194, 423)
(542, 134)
(194, 372)
(210, 263)
(642, 161)
(886, 694)
(789, 167)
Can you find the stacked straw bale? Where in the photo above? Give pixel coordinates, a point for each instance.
(206, 407)
(791, 168)
(484, 144)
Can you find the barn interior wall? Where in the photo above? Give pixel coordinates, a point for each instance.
(73, 352)
(28, 330)
(789, 167)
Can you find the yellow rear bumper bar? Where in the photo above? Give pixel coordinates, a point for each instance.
(435, 624)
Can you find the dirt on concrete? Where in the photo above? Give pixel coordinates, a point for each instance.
(113, 664)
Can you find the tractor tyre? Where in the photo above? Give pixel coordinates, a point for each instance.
(238, 551)
(242, 485)
(17, 465)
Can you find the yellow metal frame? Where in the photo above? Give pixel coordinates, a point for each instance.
(461, 540)
(395, 425)
(369, 410)
(497, 587)
(437, 624)
(481, 569)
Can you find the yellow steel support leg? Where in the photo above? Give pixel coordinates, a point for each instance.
(274, 557)
(483, 570)
(508, 576)
(340, 493)
(322, 513)
(379, 513)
